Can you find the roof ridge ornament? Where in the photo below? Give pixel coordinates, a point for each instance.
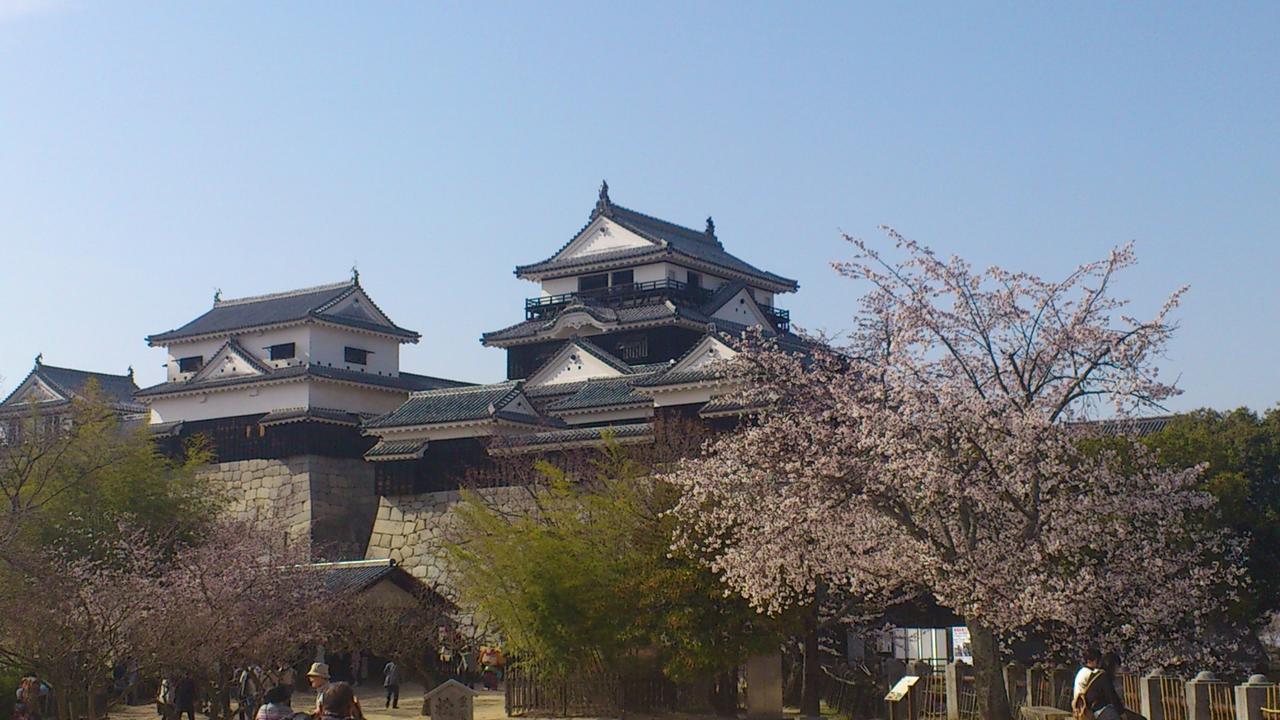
(711, 228)
(217, 295)
(355, 273)
(39, 359)
(129, 372)
(603, 205)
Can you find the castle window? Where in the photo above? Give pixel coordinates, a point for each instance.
(190, 364)
(283, 351)
(593, 282)
(622, 277)
(695, 280)
(634, 348)
(356, 356)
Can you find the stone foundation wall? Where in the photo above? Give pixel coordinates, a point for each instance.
(412, 529)
(328, 502)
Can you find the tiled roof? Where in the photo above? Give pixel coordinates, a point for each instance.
(600, 393)
(722, 406)
(292, 306)
(359, 575)
(722, 295)
(651, 312)
(396, 450)
(404, 381)
(117, 390)
(1130, 427)
(571, 437)
(474, 402)
(668, 238)
(299, 414)
(678, 378)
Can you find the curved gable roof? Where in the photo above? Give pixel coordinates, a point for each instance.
(291, 306)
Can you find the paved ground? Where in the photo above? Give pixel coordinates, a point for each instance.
(372, 699)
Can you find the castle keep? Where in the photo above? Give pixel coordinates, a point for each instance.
(316, 427)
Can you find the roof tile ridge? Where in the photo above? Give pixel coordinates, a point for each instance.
(283, 294)
(464, 390)
(693, 234)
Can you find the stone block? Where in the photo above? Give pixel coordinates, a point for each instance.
(764, 687)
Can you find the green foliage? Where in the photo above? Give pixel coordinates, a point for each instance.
(584, 571)
(1241, 451)
(98, 475)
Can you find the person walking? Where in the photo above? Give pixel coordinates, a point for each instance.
(391, 683)
(1092, 662)
(1100, 695)
(184, 697)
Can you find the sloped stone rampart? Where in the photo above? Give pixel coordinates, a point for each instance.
(329, 502)
(413, 529)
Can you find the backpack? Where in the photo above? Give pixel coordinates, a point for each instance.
(1079, 706)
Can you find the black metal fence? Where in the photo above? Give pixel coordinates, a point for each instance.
(529, 693)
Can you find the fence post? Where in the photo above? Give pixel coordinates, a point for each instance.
(1015, 674)
(1035, 679)
(1198, 696)
(1152, 702)
(956, 671)
(1061, 682)
(1251, 697)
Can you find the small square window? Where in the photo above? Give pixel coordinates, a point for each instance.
(695, 280)
(356, 356)
(283, 351)
(622, 277)
(190, 364)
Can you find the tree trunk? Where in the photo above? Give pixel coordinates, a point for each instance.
(993, 699)
(810, 699)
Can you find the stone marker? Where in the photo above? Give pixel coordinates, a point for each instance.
(764, 687)
(450, 700)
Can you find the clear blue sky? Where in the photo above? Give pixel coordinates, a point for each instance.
(154, 151)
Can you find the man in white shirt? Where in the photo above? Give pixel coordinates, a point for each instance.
(1092, 665)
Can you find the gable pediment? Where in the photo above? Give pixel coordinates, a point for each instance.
(743, 310)
(601, 236)
(231, 361)
(572, 363)
(357, 306)
(710, 350)
(35, 390)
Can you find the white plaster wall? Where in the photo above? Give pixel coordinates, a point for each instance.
(559, 286)
(230, 403)
(354, 399)
(572, 365)
(685, 397)
(603, 235)
(254, 342)
(739, 309)
(651, 272)
(327, 345)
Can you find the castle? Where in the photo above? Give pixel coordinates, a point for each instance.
(316, 427)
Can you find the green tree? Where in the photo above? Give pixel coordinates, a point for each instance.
(72, 478)
(585, 570)
(1242, 452)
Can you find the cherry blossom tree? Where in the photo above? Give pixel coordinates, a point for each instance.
(937, 451)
